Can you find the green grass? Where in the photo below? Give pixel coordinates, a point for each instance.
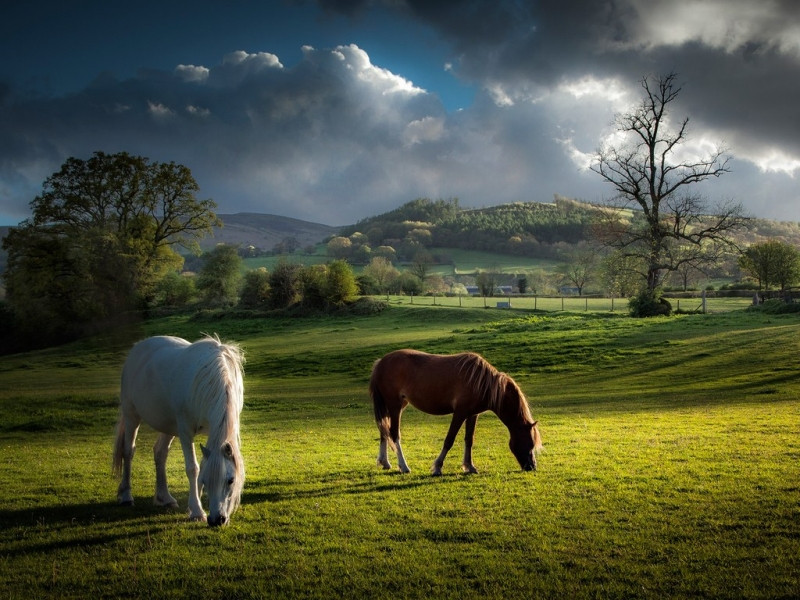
(567, 303)
(670, 466)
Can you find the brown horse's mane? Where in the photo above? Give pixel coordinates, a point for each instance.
(490, 383)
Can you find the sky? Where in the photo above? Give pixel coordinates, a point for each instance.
(333, 111)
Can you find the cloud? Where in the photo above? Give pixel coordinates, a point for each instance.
(335, 137)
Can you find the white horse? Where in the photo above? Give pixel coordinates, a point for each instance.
(182, 389)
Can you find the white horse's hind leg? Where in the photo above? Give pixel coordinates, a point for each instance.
(196, 512)
(160, 452)
(131, 428)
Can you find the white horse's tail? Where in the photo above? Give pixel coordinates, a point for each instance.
(119, 445)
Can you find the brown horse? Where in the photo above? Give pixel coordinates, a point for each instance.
(464, 385)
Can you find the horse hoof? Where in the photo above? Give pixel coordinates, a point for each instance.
(125, 502)
(469, 470)
(197, 518)
(386, 465)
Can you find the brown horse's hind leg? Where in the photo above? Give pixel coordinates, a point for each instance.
(394, 432)
(455, 425)
(469, 438)
(383, 455)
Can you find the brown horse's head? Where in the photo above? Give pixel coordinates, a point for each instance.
(525, 439)
(524, 443)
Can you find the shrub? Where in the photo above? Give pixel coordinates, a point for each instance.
(255, 292)
(341, 283)
(649, 304)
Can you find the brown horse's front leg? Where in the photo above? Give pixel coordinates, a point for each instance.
(469, 438)
(455, 425)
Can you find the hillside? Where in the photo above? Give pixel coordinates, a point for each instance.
(265, 231)
(530, 229)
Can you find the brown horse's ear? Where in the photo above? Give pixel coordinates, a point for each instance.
(205, 451)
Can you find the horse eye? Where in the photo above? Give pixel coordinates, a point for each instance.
(230, 481)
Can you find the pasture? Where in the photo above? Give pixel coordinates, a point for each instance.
(671, 465)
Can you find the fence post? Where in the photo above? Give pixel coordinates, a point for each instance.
(704, 302)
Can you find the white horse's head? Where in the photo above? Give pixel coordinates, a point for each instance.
(222, 477)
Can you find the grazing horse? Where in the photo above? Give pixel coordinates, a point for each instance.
(463, 385)
(182, 389)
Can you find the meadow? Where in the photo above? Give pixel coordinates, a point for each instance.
(671, 465)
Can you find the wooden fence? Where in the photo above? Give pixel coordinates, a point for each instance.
(569, 303)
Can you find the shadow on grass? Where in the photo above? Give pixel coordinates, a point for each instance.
(343, 484)
(45, 529)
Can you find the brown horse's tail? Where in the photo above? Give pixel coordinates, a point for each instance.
(119, 445)
(379, 406)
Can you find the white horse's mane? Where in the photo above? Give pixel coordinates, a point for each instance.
(222, 396)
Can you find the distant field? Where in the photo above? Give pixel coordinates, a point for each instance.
(464, 262)
(468, 262)
(566, 303)
(670, 467)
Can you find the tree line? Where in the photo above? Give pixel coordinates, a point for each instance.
(101, 247)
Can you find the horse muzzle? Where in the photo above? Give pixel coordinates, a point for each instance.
(217, 520)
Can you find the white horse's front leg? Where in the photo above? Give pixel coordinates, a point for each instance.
(196, 512)
(160, 452)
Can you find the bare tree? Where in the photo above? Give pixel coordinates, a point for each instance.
(580, 266)
(650, 174)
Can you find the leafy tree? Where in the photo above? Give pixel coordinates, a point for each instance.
(382, 271)
(284, 285)
(340, 247)
(100, 238)
(175, 290)
(487, 282)
(219, 279)
(421, 265)
(620, 274)
(649, 172)
(313, 281)
(340, 285)
(367, 285)
(406, 283)
(772, 263)
(255, 291)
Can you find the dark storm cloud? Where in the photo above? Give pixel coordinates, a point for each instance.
(335, 138)
(739, 61)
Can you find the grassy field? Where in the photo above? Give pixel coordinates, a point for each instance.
(566, 303)
(671, 466)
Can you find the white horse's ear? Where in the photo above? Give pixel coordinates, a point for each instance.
(228, 449)
(205, 451)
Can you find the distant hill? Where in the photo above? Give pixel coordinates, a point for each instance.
(532, 229)
(265, 231)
